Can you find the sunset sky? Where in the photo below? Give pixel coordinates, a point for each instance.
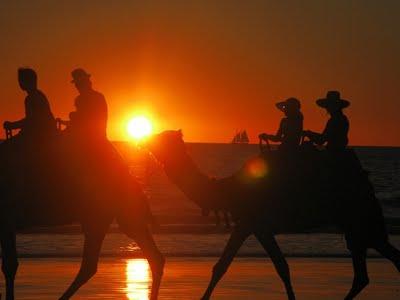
(210, 67)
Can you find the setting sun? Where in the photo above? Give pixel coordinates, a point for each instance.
(139, 127)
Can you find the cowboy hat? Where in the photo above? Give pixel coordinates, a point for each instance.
(79, 75)
(333, 100)
(289, 103)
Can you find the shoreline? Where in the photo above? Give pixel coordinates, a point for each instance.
(393, 228)
(119, 245)
(197, 256)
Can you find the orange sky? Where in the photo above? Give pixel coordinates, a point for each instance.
(210, 67)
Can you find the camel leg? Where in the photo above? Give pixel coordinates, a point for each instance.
(10, 261)
(90, 258)
(361, 279)
(388, 251)
(150, 250)
(270, 245)
(236, 240)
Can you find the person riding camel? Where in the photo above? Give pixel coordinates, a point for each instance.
(290, 128)
(95, 154)
(90, 117)
(86, 132)
(335, 134)
(39, 122)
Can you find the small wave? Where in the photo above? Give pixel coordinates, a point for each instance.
(184, 245)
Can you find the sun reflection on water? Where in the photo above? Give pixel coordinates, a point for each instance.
(137, 279)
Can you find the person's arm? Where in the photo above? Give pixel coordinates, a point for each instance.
(275, 138)
(14, 125)
(76, 116)
(315, 137)
(28, 115)
(279, 133)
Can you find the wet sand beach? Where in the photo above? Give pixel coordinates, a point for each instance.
(186, 278)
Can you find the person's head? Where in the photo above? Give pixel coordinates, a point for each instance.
(81, 80)
(27, 79)
(333, 103)
(289, 107)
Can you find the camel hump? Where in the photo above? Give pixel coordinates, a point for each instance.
(309, 189)
(299, 167)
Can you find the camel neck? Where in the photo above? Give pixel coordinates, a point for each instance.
(197, 186)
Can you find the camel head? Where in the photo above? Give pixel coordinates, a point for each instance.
(167, 146)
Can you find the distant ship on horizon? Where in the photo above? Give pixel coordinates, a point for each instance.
(240, 137)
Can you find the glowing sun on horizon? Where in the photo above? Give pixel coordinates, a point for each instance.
(139, 127)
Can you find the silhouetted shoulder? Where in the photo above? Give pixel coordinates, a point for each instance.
(98, 95)
(38, 98)
(100, 99)
(37, 106)
(338, 122)
(343, 118)
(93, 97)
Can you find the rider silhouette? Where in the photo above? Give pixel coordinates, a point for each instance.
(97, 156)
(337, 127)
(39, 121)
(90, 117)
(290, 128)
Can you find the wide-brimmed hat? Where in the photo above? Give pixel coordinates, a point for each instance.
(79, 75)
(291, 103)
(333, 100)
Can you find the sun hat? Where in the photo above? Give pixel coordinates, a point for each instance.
(79, 75)
(292, 103)
(333, 100)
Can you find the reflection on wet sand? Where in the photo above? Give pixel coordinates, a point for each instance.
(185, 278)
(137, 279)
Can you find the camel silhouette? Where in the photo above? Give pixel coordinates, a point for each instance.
(53, 187)
(265, 199)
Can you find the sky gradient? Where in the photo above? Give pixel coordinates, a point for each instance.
(210, 67)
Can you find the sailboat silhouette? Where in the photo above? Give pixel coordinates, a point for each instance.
(240, 137)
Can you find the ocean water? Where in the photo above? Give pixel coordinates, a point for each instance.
(186, 233)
